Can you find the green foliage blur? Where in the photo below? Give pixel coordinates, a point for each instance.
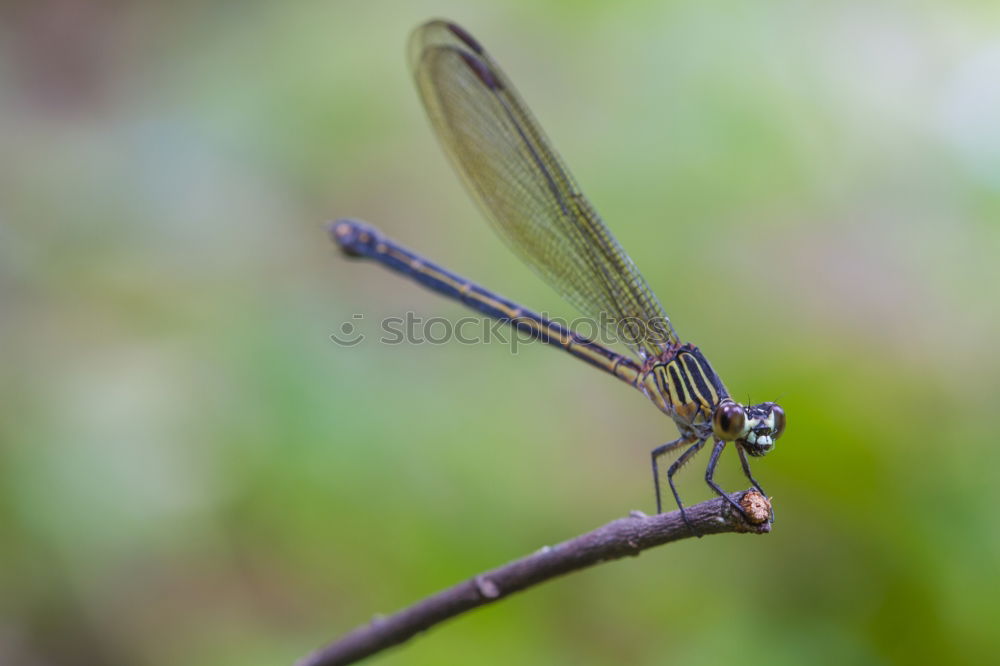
(192, 472)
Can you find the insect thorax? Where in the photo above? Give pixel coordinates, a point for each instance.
(683, 384)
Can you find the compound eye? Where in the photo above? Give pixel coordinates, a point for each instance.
(729, 421)
(779, 421)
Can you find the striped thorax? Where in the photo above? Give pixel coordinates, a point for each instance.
(683, 384)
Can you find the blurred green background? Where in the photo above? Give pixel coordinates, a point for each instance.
(191, 472)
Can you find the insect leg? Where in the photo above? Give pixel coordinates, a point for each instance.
(710, 472)
(655, 454)
(693, 449)
(746, 470)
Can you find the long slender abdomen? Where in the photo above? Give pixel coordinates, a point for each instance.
(357, 239)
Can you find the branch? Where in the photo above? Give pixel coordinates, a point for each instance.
(625, 536)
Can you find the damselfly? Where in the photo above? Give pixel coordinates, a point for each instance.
(530, 198)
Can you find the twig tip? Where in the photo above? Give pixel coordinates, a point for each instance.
(756, 506)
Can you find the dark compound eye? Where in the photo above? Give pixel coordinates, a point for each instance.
(729, 421)
(779, 421)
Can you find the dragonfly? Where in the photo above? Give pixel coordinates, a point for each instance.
(526, 192)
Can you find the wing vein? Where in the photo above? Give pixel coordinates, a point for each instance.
(526, 192)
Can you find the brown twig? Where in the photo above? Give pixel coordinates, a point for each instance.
(625, 536)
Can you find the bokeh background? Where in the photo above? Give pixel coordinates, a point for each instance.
(191, 472)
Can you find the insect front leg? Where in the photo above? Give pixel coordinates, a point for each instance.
(746, 471)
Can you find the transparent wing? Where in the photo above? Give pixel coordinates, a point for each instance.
(525, 190)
